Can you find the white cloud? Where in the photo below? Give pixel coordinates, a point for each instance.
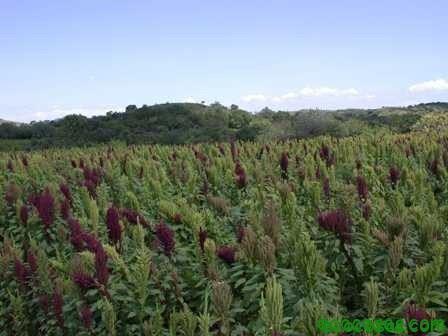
(290, 95)
(431, 85)
(306, 92)
(327, 91)
(254, 97)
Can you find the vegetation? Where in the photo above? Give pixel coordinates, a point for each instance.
(240, 238)
(185, 123)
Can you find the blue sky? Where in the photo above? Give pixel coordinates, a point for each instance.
(91, 56)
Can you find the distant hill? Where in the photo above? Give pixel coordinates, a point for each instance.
(2, 121)
(185, 123)
(9, 122)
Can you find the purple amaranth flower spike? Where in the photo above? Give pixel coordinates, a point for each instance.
(338, 222)
(76, 234)
(366, 211)
(201, 157)
(33, 199)
(240, 233)
(101, 270)
(177, 218)
(65, 190)
(113, 225)
(45, 208)
(226, 254)
(284, 162)
(83, 280)
(86, 316)
(241, 181)
(202, 238)
(412, 312)
(91, 187)
(91, 242)
(165, 237)
(326, 155)
(394, 176)
(24, 161)
(238, 168)
(433, 167)
(363, 190)
(134, 217)
(21, 272)
(241, 177)
(31, 259)
(58, 303)
(65, 209)
(24, 214)
(44, 303)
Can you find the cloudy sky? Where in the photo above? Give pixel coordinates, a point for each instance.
(91, 56)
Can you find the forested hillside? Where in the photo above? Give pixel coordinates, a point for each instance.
(180, 123)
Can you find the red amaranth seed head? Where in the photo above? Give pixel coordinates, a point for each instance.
(412, 312)
(366, 211)
(76, 234)
(338, 222)
(86, 316)
(394, 176)
(31, 259)
(241, 177)
(58, 304)
(83, 280)
(177, 218)
(238, 168)
(240, 233)
(226, 254)
(65, 190)
(284, 162)
(101, 270)
(134, 217)
(326, 155)
(44, 303)
(433, 167)
(21, 272)
(165, 237)
(92, 244)
(65, 209)
(45, 208)
(202, 238)
(113, 225)
(363, 190)
(24, 214)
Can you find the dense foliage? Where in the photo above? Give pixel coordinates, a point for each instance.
(223, 239)
(184, 123)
